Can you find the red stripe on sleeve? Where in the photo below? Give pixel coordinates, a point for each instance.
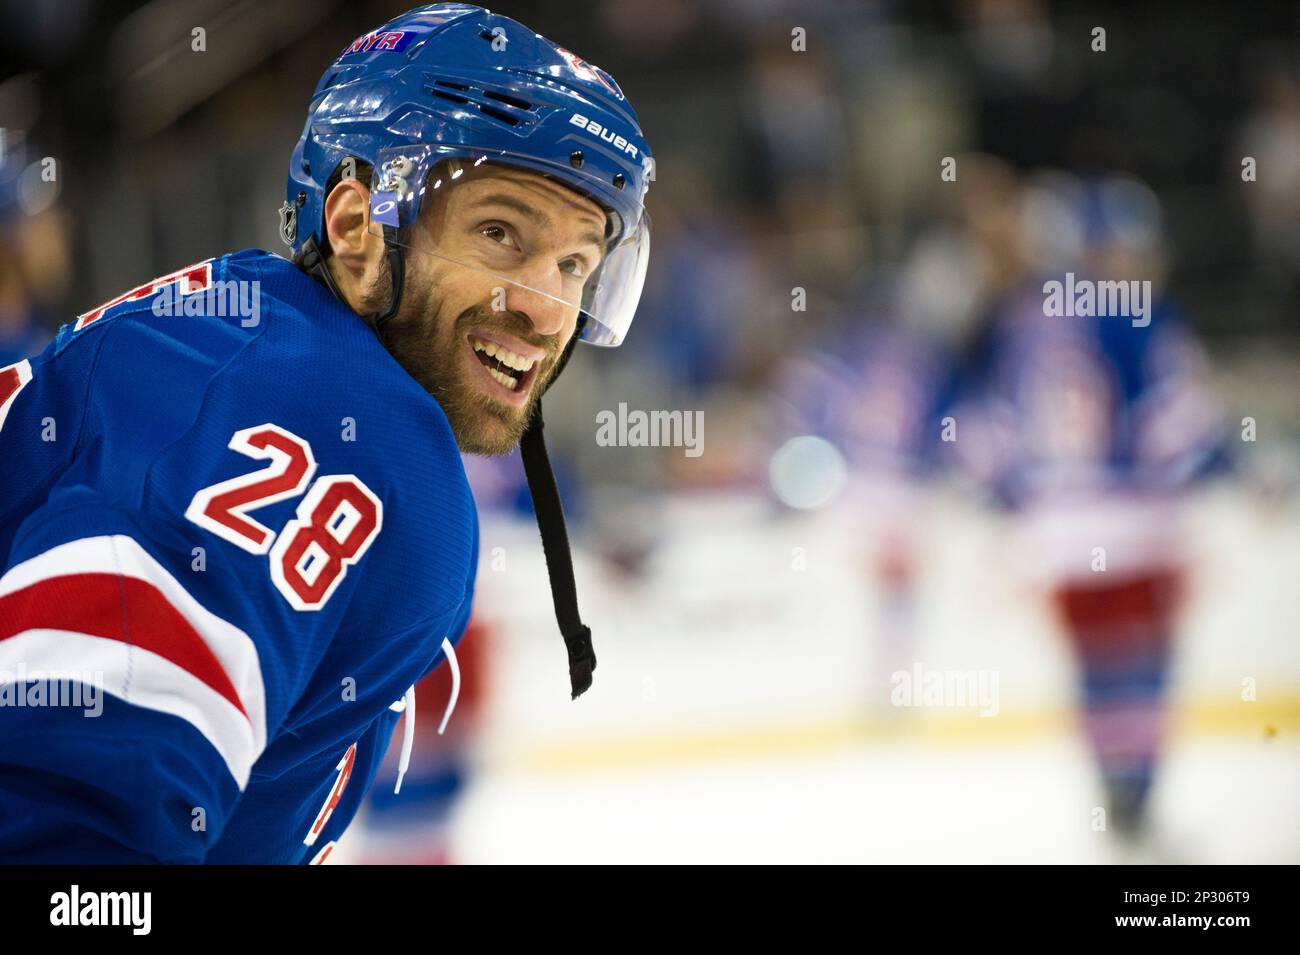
(116, 608)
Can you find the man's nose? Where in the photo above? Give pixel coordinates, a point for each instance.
(536, 293)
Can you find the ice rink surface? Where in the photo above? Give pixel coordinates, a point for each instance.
(741, 710)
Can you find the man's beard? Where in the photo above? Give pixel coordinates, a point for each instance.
(430, 355)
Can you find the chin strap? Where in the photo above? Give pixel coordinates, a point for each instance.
(310, 260)
(397, 269)
(555, 537)
(537, 468)
(559, 561)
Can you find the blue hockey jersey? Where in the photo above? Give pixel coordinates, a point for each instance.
(1060, 408)
(233, 532)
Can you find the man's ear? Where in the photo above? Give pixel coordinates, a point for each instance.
(356, 249)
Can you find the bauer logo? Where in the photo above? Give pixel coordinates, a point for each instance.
(608, 135)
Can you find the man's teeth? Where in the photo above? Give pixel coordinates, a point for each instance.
(502, 377)
(503, 355)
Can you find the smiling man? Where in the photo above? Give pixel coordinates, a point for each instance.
(252, 533)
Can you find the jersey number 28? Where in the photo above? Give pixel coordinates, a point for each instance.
(335, 523)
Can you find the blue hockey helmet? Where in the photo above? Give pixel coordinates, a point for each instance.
(454, 83)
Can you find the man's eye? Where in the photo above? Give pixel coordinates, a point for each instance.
(498, 234)
(574, 267)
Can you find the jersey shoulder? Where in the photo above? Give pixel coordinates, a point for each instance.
(244, 369)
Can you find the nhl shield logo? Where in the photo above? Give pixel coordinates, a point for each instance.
(288, 223)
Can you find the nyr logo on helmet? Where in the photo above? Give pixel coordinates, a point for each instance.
(379, 40)
(590, 72)
(608, 135)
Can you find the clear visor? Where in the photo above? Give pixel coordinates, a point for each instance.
(533, 231)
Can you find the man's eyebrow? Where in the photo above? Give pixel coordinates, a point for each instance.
(535, 215)
(592, 238)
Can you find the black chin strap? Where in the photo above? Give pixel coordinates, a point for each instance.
(555, 537)
(559, 562)
(397, 269)
(310, 260)
(537, 468)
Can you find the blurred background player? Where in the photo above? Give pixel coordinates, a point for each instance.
(1091, 429)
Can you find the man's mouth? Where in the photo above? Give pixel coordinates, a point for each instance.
(511, 372)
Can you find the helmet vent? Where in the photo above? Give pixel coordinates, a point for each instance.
(495, 104)
(498, 114)
(509, 100)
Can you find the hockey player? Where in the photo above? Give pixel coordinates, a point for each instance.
(233, 514)
(1092, 430)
